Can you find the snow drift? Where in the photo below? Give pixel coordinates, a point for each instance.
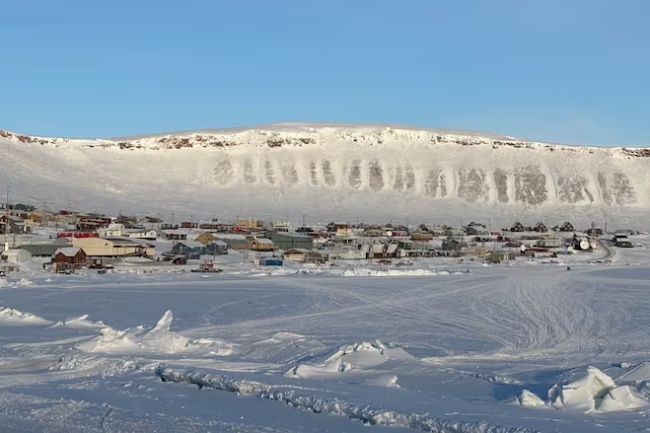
(596, 391)
(13, 317)
(355, 357)
(305, 161)
(160, 339)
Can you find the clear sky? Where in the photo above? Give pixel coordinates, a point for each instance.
(574, 71)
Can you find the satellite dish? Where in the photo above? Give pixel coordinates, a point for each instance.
(593, 246)
(523, 248)
(571, 250)
(584, 245)
(389, 234)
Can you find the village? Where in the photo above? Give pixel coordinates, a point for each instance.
(67, 241)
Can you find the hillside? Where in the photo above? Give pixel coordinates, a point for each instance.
(294, 168)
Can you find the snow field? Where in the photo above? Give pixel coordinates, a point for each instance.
(429, 352)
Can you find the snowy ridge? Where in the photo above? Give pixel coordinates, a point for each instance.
(367, 415)
(454, 166)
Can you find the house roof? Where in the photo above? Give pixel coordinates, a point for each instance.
(68, 251)
(297, 250)
(219, 243)
(191, 244)
(263, 241)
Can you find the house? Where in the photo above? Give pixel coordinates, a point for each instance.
(192, 249)
(344, 232)
(296, 255)
(282, 226)
(476, 230)
(285, 241)
(174, 234)
(109, 247)
(16, 255)
(112, 231)
(595, 232)
(567, 227)
(144, 234)
(189, 225)
(12, 224)
(540, 228)
(451, 244)
(217, 248)
(205, 238)
(377, 251)
(74, 256)
(234, 241)
(517, 227)
(260, 244)
(249, 224)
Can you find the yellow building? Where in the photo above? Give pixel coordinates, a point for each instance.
(111, 247)
(248, 224)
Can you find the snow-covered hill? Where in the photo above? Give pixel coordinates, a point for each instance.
(296, 168)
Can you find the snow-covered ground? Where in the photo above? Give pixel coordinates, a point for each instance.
(520, 348)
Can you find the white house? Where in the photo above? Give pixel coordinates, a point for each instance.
(344, 232)
(112, 231)
(296, 255)
(150, 235)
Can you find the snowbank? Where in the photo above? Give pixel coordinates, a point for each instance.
(80, 322)
(160, 339)
(596, 391)
(368, 415)
(12, 317)
(357, 357)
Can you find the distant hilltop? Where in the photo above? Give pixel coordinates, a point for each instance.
(339, 160)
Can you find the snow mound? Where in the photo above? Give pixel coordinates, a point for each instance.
(24, 282)
(386, 381)
(12, 317)
(595, 392)
(160, 339)
(80, 322)
(356, 356)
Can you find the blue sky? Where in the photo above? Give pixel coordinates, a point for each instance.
(572, 71)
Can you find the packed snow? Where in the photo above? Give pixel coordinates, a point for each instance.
(442, 348)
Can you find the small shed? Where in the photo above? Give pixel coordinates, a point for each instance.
(268, 262)
(260, 244)
(16, 255)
